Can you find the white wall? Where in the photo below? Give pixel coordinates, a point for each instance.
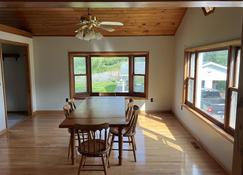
(15, 78)
(195, 30)
(51, 65)
(21, 39)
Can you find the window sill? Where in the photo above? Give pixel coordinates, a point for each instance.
(126, 97)
(211, 124)
(135, 98)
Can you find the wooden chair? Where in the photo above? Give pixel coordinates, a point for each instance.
(95, 146)
(128, 132)
(71, 102)
(67, 110)
(129, 109)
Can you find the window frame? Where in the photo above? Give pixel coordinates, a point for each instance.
(133, 75)
(89, 55)
(233, 49)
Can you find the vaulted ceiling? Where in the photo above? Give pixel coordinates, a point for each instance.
(63, 21)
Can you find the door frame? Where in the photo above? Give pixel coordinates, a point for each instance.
(28, 76)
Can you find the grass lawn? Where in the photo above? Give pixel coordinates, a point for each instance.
(107, 86)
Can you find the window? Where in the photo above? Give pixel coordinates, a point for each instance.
(212, 74)
(80, 74)
(190, 80)
(211, 84)
(139, 74)
(110, 74)
(233, 90)
(114, 74)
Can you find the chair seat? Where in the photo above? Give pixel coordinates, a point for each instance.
(115, 131)
(92, 147)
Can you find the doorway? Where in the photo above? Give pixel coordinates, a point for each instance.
(16, 78)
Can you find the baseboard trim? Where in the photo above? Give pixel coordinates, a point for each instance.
(155, 112)
(47, 112)
(201, 144)
(3, 131)
(22, 112)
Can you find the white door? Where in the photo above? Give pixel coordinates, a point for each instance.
(2, 98)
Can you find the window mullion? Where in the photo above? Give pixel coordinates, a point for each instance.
(131, 75)
(88, 72)
(195, 79)
(227, 95)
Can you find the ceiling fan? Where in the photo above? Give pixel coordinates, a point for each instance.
(88, 26)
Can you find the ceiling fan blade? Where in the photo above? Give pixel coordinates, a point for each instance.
(108, 29)
(81, 28)
(111, 23)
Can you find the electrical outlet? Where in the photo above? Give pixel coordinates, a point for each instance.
(151, 99)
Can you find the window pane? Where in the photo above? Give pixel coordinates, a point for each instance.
(190, 92)
(139, 65)
(233, 108)
(237, 67)
(109, 74)
(79, 65)
(139, 84)
(211, 83)
(80, 84)
(192, 65)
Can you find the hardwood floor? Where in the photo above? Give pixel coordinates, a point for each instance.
(38, 146)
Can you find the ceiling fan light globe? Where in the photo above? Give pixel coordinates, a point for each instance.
(80, 35)
(98, 36)
(87, 36)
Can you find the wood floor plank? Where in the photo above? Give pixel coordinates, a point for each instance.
(37, 146)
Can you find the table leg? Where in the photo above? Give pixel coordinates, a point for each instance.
(72, 146)
(120, 140)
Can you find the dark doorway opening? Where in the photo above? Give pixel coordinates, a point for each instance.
(15, 63)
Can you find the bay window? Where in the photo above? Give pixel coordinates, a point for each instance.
(109, 73)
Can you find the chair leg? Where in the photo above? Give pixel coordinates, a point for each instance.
(134, 141)
(129, 141)
(69, 147)
(133, 148)
(112, 141)
(80, 164)
(108, 160)
(84, 160)
(104, 164)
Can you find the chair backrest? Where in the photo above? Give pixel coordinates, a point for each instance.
(129, 109)
(131, 128)
(71, 102)
(97, 140)
(67, 110)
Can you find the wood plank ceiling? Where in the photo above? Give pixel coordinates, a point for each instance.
(62, 21)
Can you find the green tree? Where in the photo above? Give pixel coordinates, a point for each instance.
(219, 57)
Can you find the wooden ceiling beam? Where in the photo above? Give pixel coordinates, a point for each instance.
(118, 4)
(13, 30)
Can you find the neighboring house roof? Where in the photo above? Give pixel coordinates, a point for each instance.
(213, 72)
(215, 66)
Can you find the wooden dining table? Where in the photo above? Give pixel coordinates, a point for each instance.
(98, 110)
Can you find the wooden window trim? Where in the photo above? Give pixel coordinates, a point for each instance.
(145, 76)
(88, 56)
(232, 47)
